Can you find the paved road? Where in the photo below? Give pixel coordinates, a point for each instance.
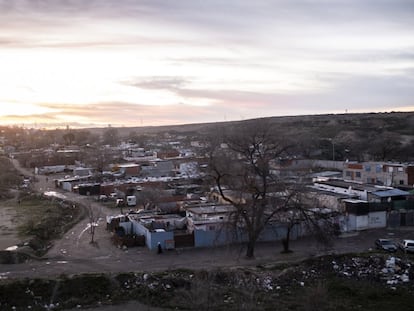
(75, 254)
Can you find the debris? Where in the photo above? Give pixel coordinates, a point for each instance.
(392, 270)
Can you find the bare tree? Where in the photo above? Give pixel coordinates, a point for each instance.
(149, 198)
(386, 146)
(93, 216)
(110, 136)
(69, 138)
(241, 169)
(305, 211)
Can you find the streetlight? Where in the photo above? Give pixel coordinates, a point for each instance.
(333, 148)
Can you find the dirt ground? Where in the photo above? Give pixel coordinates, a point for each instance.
(8, 235)
(75, 254)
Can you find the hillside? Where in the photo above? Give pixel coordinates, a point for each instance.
(357, 137)
(365, 136)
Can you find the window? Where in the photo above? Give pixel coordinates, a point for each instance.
(401, 182)
(348, 173)
(401, 169)
(367, 168)
(358, 174)
(378, 168)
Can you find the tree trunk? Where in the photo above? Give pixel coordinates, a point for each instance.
(92, 233)
(286, 241)
(250, 249)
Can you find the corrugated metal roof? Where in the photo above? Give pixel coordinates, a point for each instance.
(390, 193)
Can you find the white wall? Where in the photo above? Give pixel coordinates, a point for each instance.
(151, 238)
(363, 222)
(377, 219)
(67, 186)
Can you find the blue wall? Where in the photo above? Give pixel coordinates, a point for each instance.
(154, 237)
(277, 232)
(151, 238)
(211, 238)
(204, 238)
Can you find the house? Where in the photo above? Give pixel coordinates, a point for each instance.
(70, 183)
(50, 169)
(204, 225)
(127, 169)
(158, 169)
(82, 171)
(380, 173)
(164, 229)
(212, 225)
(345, 188)
(168, 154)
(361, 215)
(388, 195)
(139, 155)
(370, 206)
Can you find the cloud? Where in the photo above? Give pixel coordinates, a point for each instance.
(195, 61)
(130, 114)
(159, 83)
(346, 92)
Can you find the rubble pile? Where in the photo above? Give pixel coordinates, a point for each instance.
(193, 288)
(390, 271)
(186, 279)
(154, 281)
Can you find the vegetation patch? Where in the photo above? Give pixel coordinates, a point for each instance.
(9, 178)
(40, 220)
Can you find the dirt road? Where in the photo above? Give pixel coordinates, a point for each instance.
(75, 254)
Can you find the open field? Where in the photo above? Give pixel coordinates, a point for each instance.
(31, 222)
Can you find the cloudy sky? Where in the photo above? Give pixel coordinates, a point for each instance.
(153, 62)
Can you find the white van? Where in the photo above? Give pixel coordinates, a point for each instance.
(407, 246)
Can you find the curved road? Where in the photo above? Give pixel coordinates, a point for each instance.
(74, 254)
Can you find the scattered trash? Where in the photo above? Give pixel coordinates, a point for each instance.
(392, 270)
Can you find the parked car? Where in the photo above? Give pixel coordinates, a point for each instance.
(407, 246)
(386, 245)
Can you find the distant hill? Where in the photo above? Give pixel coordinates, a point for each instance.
(359, 136)
(399, 122)
(363, 136)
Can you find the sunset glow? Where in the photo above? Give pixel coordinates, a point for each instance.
(133, 63)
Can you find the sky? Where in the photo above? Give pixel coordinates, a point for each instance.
(150, 62)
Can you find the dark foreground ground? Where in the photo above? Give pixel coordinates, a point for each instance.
(349, 275)
(365, 281)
